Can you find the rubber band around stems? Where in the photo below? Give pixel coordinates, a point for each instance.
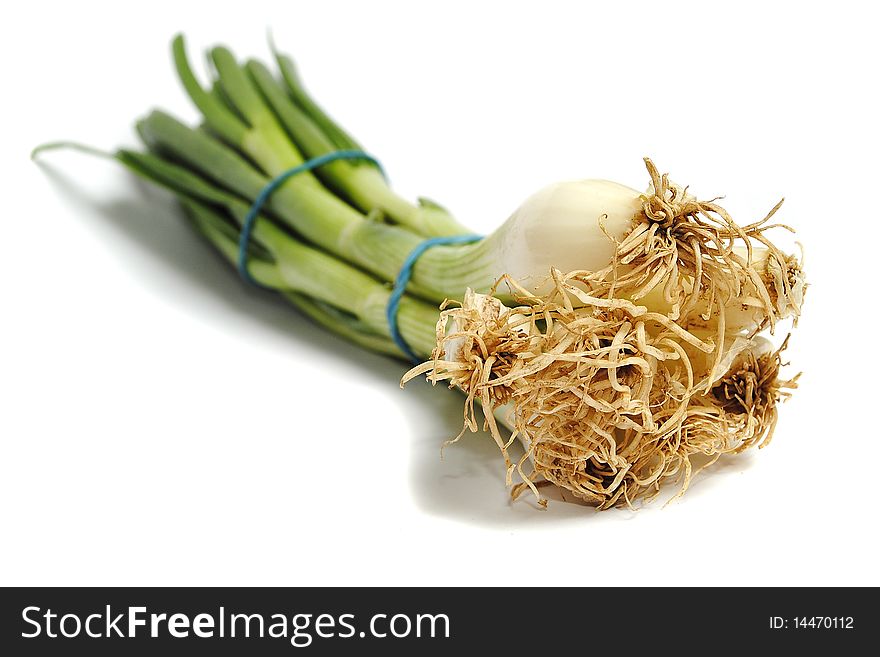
(402, 280)
(406, 269)
(250, 219)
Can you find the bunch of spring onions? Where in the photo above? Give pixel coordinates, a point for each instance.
(616, 333)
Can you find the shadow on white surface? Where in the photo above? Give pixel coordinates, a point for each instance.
(467, 482)
(151, 221)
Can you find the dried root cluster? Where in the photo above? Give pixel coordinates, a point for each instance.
(693, 254)
(613, 396)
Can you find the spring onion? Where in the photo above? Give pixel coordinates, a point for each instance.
(617, 333)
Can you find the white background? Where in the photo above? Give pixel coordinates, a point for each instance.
(162, 424)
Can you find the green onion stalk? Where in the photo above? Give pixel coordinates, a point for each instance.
(615, 332)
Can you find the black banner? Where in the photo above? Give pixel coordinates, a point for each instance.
(391, 621)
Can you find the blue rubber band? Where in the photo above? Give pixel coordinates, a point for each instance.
(247, 226)
(402, 280)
